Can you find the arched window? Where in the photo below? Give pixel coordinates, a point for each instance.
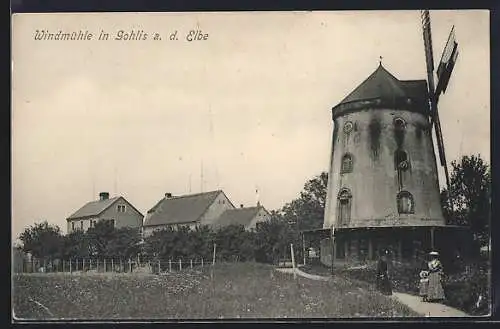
(399, 124)
(347, 164)
(344, 207)
(406, 204)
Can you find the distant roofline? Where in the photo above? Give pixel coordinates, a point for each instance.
(191, 195)
(183, 196)
(70, 218)
(152, 211)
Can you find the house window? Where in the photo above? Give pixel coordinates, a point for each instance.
(112, 222)
(121, 208)
(348, 127)
(399, 124)
(223, 201)
(406, 204)
(344, 207)
(81, 224)
(347, 164)
(72, 226)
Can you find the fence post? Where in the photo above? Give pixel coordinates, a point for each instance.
(180, 264)
(70, 265)
(293, 261)
(159, 267)
(213, 259)
(83, 265)
(112, 265)
(201, 262)
(104, 265)
(130, 264)
(170, 265)
(191, 263)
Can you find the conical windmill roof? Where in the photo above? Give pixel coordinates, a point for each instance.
(382, 85)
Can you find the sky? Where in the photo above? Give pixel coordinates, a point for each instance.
(247, 109)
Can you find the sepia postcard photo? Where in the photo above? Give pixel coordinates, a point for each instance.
(251, 165)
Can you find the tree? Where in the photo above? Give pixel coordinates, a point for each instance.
(273, 239)
(42, 240)
(124, 243)
(469, 200)
(98, 237)
(234, 243)
(76, 245)
(307, 212)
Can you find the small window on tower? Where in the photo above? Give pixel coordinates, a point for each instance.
(399, 124)
(348, 127)
(401, 160)
(347, 164)
(406, 204)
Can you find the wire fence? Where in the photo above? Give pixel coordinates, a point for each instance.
(110, 265)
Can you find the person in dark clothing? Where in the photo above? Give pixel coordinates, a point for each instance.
(383, 282)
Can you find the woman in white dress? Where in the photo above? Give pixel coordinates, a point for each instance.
(435, 291)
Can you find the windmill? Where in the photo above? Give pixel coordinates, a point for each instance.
(444, 70)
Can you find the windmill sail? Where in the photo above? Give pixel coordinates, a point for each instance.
(426, 27)
(447, 63)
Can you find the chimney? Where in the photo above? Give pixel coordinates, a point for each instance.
(103, 196)
(168, 195)
(241, 205)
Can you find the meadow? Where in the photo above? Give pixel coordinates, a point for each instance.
(227, 291)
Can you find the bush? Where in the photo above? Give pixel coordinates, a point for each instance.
(463, 290)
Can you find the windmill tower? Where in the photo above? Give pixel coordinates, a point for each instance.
(383, 189)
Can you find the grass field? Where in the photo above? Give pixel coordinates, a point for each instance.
(244, 290)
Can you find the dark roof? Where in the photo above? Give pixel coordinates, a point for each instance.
(94, 208)
(238, 216)
(180, 209)
(382, 84)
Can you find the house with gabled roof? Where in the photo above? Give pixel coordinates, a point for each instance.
(248, 217)
(117, 210)
(186, 210)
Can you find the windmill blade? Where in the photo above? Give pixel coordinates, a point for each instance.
(426, 29)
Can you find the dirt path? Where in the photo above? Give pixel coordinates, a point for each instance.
(428, 309)
(413, 302)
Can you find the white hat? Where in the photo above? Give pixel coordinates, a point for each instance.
(434, 253)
